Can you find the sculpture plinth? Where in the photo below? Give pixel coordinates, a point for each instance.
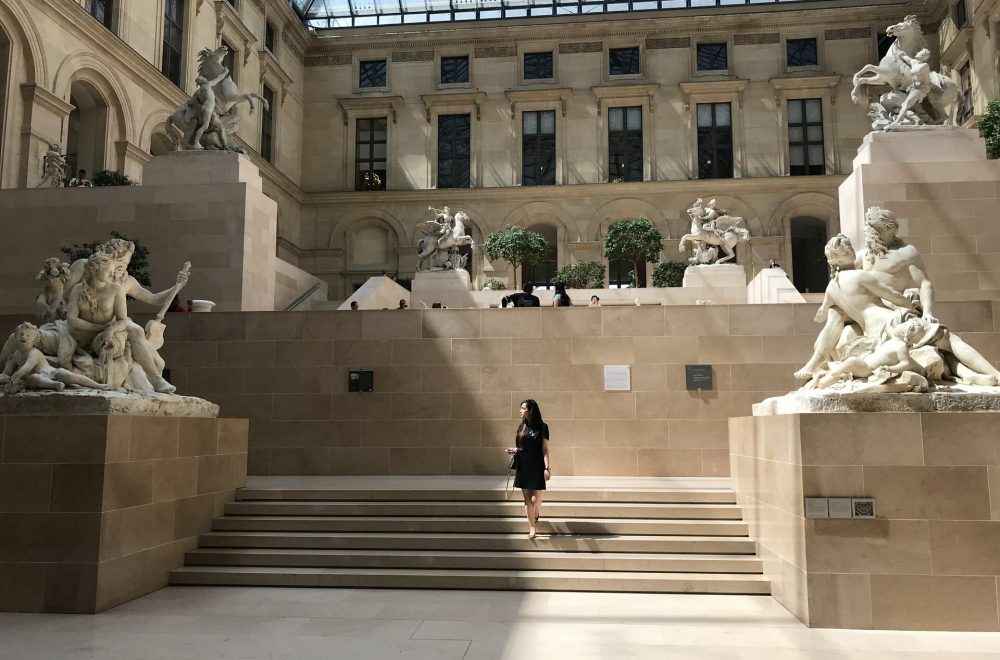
(721, 283)
(451, 288)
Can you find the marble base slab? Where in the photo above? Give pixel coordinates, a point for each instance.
(91, 402)
(715, 276)
(955, 398)
(451, 288)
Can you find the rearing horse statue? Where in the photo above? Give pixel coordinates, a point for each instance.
(711, 229)
(441, 235)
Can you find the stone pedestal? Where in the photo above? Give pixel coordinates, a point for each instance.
(943, 191)
(928, 561)
(720, 283)
(97, 509)
(451, 288)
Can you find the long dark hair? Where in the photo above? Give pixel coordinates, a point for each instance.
(561, 291)
(533, 421)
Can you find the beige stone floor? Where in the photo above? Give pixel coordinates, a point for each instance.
(361, 624)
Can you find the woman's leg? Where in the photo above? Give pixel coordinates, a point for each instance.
(529, 508)
(538, 504)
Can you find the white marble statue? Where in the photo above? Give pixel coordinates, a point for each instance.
(917, 96)
(89, 333)
(211, 115)
(879, 332)
(712, 229)
(442, 236)
(53, 167)
(51, 301)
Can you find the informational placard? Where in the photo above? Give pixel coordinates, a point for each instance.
(863, 508)
(840, 507)
(617, 378)
(817, 507)
(698, 376)
(360, 380)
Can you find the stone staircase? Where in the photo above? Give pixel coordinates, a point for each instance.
(680, 540)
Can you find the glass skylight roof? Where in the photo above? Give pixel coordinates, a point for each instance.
(323, 14)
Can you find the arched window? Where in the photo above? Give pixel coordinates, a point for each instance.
(4, 82)
(160, 145)
(810, 272)
(541, 274)
(370, 247)
(87, 139)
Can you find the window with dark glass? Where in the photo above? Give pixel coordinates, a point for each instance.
(370, 154)
(961, 14)
(625, 144)
(965, 82)
(101, 10)
(801, 52)
(713, 57)
(173, 39)
(454, 70)
(883, 44)
(229, 61)
(232, 2)
(805, 137)
(454, 151)
(267, 125)
(715, 141)
(537, 66)
(621, 275)
(623, 61)
(269, 37)
(372, 73)
(538, 139)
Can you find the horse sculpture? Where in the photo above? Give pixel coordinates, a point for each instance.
(442, 236)
(712, 229)
(892, 70)
(183, 124)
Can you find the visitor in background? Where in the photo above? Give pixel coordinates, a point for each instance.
(532, 450)
(402, 304)
(522, 299)
(176, 306)
(561, 298)
(595, 301)
(80, 180)
(354, 304)
(773, 264)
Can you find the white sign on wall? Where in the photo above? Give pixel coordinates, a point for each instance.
(617, 378)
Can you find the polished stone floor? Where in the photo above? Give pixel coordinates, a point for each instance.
(211, 622)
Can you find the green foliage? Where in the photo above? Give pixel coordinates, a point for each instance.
(137, 268)
(989, 128)
(635, 241)
(581, 275)
(111, 178)
(516, 246)
(404, 282)
(494, 284)
(669, 273)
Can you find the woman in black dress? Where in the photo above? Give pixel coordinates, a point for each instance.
(533, 460)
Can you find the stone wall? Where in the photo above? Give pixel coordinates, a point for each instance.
(929, 560)
(448, 382)
(97, 510)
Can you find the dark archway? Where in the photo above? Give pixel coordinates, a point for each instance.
(540, 275)
(160, 145)
(5, 63)
(87, 138)
(809, 268)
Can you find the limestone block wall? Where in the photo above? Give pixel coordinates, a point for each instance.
(928, 561)
(97, 510)
(448, 382)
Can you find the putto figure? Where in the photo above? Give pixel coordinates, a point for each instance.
(211, 115)
(53, 167)
(712, 229)
(442, 238)
(917, 95)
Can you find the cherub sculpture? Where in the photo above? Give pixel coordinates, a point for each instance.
(27, 367)
(52, 300)
(53, 167)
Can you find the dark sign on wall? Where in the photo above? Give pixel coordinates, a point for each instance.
(360, 380)
(698, 376)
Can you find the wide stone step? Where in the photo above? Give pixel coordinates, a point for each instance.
(710, 583)
(504, 542)
(680, 496)
(480, 525)
(457, 559)
(492, 509)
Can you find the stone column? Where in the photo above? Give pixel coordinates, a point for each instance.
(45, 115)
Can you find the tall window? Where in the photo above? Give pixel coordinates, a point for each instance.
(101, 10)
(883, 44)
(713, 57)
(538, 66)
(715, 141)
(623, 61)
(454, 151)
(269, 37)
(620, 274)
(541, 274)
(965, 85)
(801, 52)
(805, 137)
(370, 154)
(454, 70)
(267, 125)
(961, 14)
(625, 144)
(229, 61)
(372, 73)
(173, 39)
(538, 139)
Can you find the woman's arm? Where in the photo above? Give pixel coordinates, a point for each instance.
(545, 454)
(121, 307)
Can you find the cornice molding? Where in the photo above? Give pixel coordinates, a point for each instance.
(516, 96)
(349, 104)
(961, 44)
(46, 99)
(638, 90)
(805, 82)
(270, 67)
(446, 99)
(711, 87)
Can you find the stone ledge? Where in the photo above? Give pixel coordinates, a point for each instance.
(956, 398)
(90, 402)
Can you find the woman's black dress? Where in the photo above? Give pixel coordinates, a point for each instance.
(531, 469)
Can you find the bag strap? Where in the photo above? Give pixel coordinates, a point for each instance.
(508, 490)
